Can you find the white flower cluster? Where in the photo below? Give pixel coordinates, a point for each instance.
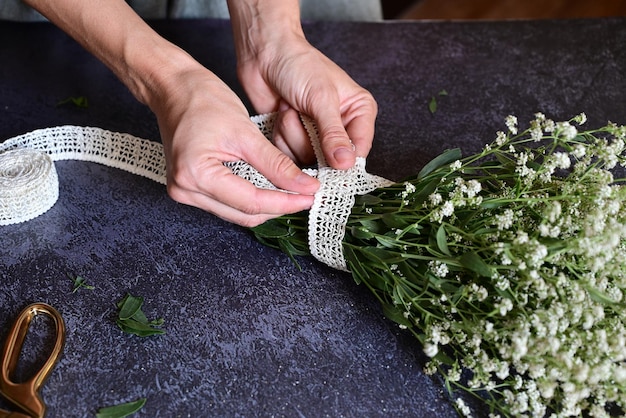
(557, 232)
(463, 193)
(508, 265)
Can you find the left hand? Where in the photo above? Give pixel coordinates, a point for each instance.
(280, 71)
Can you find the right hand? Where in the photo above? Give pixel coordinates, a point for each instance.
(203, 124)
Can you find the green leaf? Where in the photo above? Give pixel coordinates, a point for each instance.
(130, 306)
(445, 158)
(360, 232)
(79, 282)
(396, 314)
(367, 200)
(426, 190)
(492, 204)
(291, 251)
(271, 229)
(382, 255)
(432, 105)
(132, 320)
(371, 225)
(395, 220)
(442, 240)
(79, 101)
(132, 326)
(598, 296)
(121, 410)
(474, 262)
(359, 274)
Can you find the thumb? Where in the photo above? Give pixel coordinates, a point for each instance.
(277, 167)
(337, 147)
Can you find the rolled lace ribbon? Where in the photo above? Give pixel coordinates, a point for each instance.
(29, 184)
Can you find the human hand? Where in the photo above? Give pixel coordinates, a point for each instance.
(203, 124)
(280, 70)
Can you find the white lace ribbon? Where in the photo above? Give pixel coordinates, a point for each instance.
(29, 184)
(334, 201)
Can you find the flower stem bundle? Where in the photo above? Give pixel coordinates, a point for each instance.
(509, 266)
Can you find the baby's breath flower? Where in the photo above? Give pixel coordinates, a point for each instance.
(438, 268)
(549, 126)
(500, 138)
(447, 209)
(504, 306)
(473, 188)
(431, 368)
(536, 134)
(431, 349)
(567, 130)
(505, 220)
(456, 165)
(463, 408)
(435, 199)
(523, 285)
(580, 118)
(521, 238)
(562, 160)
(511, 124)
(478, 292)
(579, 151)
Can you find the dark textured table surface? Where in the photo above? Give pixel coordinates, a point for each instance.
(248, 334)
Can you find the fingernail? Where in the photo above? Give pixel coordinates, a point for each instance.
(283, 105)
(306, 180)
(343, 155)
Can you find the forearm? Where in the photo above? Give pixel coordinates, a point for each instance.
(116, 35)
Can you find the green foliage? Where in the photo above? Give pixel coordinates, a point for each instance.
(132, 320)
(121, 410)
(79, 101)
(78, 282)
(509, 264)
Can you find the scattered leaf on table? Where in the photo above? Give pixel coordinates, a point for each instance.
(132, 320)
(79, 282)
(80, 101)
(121, 410)
(432, 105)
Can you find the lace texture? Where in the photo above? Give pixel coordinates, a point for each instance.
(29, 184)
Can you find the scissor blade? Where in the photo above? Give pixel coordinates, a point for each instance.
(12, 414)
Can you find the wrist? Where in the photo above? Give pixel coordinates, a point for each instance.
(153, 72)
(262, 27)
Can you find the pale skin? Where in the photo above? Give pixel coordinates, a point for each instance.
(202, 121)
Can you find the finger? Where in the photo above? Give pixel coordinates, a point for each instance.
(237, 200)
(360, 124)
(277, 167)
(291, 137)
(337, 147)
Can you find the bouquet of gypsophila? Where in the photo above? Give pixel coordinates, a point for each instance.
(509, 266)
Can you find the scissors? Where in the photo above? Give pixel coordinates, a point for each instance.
(25, 395)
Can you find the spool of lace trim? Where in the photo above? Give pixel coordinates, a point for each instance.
(38, 191)
(28, 185)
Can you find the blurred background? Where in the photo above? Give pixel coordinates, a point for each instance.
(501, 9)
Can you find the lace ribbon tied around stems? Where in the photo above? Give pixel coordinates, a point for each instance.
(29, 184)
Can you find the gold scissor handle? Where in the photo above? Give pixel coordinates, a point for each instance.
(25, 395)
